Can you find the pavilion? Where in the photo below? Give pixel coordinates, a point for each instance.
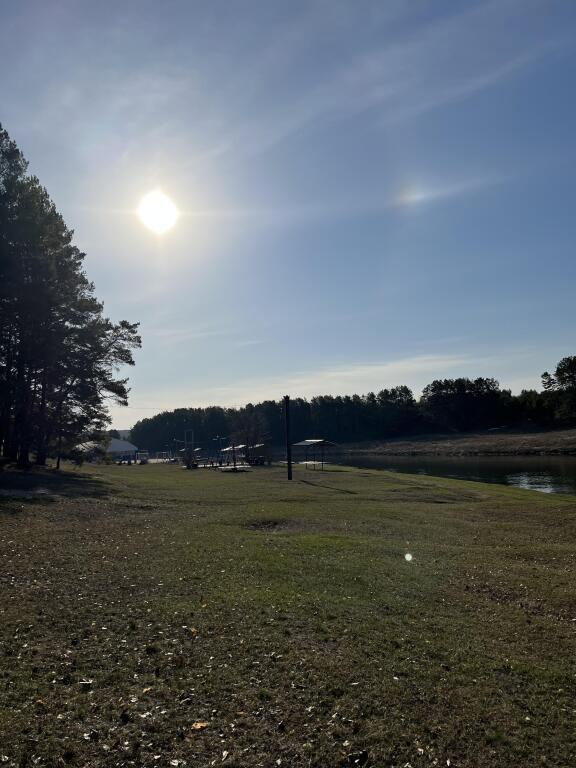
(314, 446)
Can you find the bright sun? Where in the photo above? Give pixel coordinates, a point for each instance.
(157, 212)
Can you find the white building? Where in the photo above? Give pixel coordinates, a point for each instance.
(116, 449)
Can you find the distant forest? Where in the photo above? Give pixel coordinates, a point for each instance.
(446, 405)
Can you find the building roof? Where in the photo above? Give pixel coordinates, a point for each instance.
(315, 442)
(120, 446)
(114, 446)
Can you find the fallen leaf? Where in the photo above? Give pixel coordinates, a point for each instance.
(199, 725)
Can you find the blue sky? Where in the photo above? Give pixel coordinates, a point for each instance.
(371, 193)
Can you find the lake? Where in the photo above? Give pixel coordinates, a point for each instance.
(547, 474)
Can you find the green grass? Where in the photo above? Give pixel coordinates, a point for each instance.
(137, 601)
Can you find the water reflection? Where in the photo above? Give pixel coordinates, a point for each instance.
(546, 474)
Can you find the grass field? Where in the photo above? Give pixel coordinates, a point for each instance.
(151, 616)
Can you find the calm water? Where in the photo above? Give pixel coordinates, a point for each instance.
(548, 474)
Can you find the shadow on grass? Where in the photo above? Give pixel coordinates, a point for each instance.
(330, 487)
(39, 483)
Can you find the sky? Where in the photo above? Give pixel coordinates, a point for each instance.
(371, 192)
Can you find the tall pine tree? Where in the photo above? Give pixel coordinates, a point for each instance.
(59, 355)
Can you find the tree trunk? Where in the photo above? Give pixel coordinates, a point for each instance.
(24, 457)
(25, 421)
(59, 451)
(41, 447)
(59, 448)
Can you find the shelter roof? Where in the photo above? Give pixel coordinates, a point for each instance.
(120, 446)
(314, 442)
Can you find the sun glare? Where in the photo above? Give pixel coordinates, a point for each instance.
(157, 212)
(411, 196)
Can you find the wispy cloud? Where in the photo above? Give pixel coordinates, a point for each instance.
(356, 377)
(179, 334)
(340, 379)
(429, 192)
(445, 62)
(412, 193)
(105, 113)
(248, 342)
(189, 331)
(462, 88)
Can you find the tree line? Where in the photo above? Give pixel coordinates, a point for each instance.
(446, 405)
(59, 354)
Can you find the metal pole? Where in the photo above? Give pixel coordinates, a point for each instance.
(288, 438)
(189, 448)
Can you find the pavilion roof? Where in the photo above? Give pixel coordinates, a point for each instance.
(315, 442)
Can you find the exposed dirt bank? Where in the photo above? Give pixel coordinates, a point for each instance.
(505, 443)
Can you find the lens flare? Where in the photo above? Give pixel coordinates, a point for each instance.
(157, 212)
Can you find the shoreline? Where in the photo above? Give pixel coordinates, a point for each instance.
(505, 443)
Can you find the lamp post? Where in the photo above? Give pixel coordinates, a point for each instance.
(288, 438)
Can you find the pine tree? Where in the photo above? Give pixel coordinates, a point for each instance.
(59, 355)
